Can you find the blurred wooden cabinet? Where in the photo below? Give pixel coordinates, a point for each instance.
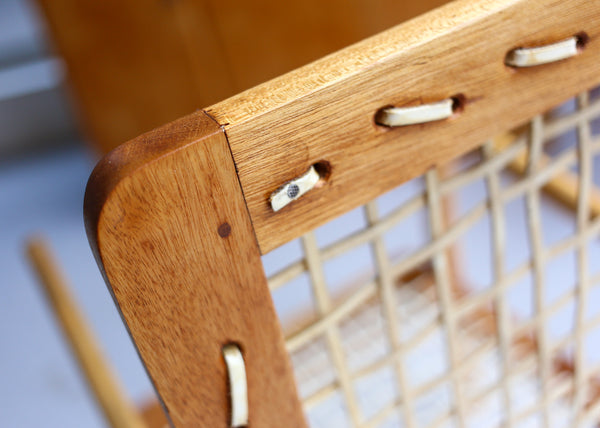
(134, 65)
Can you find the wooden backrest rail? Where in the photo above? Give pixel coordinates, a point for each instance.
(404, 116)
(325, 110)
(178, 217)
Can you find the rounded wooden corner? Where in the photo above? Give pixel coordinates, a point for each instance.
(122, 161)
(170, 229)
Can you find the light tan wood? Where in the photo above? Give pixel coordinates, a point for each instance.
(135, 65)
(168, 224)
(116, 406)
(564, 187)
(324, 111)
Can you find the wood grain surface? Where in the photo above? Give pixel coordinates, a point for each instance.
(324, 111)
(167, 222)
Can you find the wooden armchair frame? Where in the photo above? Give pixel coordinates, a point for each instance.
(179, 217)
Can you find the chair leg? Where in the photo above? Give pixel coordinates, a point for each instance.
(117, 408)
